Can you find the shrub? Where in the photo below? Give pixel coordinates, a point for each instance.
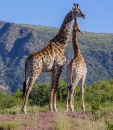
(109, 125)
(39, 94)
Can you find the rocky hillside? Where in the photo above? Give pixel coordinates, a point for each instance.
(18, 41)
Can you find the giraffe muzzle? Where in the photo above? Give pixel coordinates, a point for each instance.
(83, 16)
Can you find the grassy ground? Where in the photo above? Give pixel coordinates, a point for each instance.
(61, 122)
(102, 118)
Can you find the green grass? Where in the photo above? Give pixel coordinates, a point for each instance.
(36, 109)
(30, 109)
(12, 110)
(107, 106)
(109, 125)
(10, 126)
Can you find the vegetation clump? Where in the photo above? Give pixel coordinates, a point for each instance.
(10, 126)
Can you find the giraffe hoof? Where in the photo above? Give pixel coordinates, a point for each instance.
(72, 110)
(51, 110)
(23, 112)
(83, 112)
(66, 110)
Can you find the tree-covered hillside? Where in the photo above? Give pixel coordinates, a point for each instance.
(18, 41)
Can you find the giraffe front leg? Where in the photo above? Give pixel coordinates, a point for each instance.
(51, 100)
(52, 105)
(58, 72)
(51, 91)
(54, 99)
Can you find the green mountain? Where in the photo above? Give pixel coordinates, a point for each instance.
(18, 41)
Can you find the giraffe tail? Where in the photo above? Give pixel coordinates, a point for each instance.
(24, 88)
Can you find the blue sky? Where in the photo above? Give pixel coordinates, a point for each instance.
(99, 13)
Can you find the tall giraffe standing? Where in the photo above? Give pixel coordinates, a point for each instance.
(49, 59)
(76, 70)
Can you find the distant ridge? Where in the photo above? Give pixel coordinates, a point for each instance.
(17, 41)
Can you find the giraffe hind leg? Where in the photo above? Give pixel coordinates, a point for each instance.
(25, 87)
(28, 86)
(73, 92)
(68, 96)
(26, 95)
(67, 100)
(72, 99)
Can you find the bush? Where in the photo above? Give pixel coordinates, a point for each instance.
(8, 100)
(109, 125)
(39, 94)
(95, 95)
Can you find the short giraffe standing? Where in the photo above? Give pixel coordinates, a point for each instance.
(49, 59)
(76, 70)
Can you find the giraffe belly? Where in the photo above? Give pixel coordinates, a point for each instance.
(60, 60)
(47, 66)
(46, 69)
(80, 70)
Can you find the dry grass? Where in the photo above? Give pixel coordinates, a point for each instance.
(31, 121)
(64, 122)
(86, 124)
(20, 122)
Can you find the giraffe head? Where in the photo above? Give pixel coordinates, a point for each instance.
(77, 28)
(76, 12)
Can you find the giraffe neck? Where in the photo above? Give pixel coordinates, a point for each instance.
(76, 49)
(63, 35)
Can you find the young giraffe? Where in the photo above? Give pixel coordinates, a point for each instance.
(76, 70)
(49, 59)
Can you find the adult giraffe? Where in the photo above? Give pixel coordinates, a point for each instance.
(76, 70)
(49, 59)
